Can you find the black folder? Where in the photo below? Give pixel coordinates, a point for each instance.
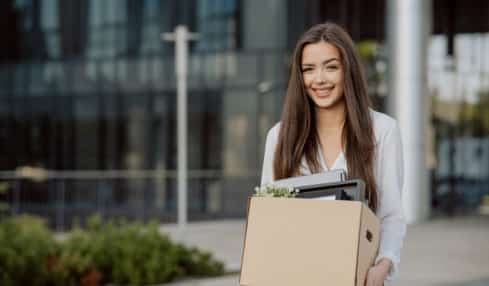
(350, 190)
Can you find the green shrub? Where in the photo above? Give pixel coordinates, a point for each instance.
(26, 246)
(115, 252)
(132, 253)
(196, 262)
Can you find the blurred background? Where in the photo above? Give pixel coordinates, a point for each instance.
(88, 101)
(88, 113)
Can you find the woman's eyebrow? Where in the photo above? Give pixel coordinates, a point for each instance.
(324, 63)
(330, 60)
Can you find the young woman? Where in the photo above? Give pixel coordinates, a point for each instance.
(327, 123)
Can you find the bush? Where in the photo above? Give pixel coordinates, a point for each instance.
(124, 253)
(114, 252)
(25, 248)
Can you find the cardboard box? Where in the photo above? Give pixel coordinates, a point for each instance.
(292, 241)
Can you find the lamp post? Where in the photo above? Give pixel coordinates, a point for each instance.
(181, 36)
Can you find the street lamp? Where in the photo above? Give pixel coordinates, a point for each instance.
(181, 36)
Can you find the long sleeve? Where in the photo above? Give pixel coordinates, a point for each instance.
(390, 184)
(270, 143)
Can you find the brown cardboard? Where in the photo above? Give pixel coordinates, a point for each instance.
(368, 247)
(291, 241)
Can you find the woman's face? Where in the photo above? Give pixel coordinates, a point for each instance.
(322, 72)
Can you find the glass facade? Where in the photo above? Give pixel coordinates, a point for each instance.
(459, 87)
(87, 91)
(91, 97)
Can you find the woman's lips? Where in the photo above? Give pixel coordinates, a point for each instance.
(323, 92)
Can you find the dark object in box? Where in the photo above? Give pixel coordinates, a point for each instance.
(350, 190)
(331, 176)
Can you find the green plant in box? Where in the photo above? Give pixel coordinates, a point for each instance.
(274, 191)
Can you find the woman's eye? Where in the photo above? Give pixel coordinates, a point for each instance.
(306, 70)
(332, 67)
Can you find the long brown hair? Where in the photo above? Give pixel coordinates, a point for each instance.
(298, 136)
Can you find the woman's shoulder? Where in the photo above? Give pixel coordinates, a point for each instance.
(383, 124)
(273, 132)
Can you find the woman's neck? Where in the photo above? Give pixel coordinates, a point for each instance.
(332, 118)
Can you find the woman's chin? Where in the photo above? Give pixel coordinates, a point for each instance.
(326, 103)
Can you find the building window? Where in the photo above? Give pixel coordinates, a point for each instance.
(107, 25)
(217, 23)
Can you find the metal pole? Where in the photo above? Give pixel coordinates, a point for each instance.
(181, 36)
(100, 198)
(181, 50)
(60, 209)
(15, 209)
(408, 30)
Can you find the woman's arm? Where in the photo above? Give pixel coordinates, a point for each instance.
(390, 183)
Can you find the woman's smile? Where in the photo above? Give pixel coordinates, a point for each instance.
(323, 91)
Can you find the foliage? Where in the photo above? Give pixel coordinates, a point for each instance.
(467, 118)
(367, 49)
(115, 252)
(274, 191)
(25, 247)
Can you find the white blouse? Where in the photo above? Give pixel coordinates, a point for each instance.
(388, 172)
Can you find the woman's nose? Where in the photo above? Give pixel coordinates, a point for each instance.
(320, 76)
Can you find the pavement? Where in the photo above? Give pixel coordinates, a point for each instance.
(438, 252)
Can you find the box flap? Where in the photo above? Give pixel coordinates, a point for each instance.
(369, 235)
(300, 242)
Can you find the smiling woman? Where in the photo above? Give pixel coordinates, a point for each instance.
(323, 74)
(327, 124)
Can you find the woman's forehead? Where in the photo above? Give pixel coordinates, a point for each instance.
(319, 52)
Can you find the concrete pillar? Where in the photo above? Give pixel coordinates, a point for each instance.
(408, 30)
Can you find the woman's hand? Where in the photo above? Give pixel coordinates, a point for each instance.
(377, 273)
